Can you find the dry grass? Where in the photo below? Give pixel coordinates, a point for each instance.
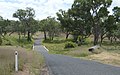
(111, 57)
(30, 63)
(106, 57)
(6, 61)
(80, 51)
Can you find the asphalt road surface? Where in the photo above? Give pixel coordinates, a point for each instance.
(65, 65)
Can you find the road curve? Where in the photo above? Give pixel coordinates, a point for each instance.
(65, 65)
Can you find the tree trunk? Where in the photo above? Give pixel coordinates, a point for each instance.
(96, 34)
(67, 35)
(29, 37)
(96, 39)
(11, 33)
(24, 34)
(115, 39)
(5, 33)
(111, 40)
(101, 40)
(45, 37)
(52, 38)
(0, 40)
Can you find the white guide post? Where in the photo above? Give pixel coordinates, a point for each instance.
(16, 61)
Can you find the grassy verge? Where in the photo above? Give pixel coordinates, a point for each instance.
(57, 46)
(30, 63)
(14, 41)
(106, 57)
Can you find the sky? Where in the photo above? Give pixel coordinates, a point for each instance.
(43, 8)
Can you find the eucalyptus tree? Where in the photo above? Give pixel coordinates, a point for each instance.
(21, 15)
(43, 27)
(66, 21)
(4, 26)
(53, 28)
(80, 12)
(50, 26)
(1, 22)
(108, 27)
(116, 13)
(34, 26)
(90, 12)
(26, 17)
(99, 10)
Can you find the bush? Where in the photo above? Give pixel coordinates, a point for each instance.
(0, 40)
(70, 45)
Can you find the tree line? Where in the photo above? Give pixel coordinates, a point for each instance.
(83, 19)
(27, 25)
(91, 17)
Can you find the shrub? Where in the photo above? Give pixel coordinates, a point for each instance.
(70, 45)
(0, 40)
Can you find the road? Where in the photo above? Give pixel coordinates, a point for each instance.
(65, 65)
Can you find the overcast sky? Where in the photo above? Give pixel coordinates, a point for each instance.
(43, 8)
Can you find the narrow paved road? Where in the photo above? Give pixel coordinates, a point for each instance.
(65, 65)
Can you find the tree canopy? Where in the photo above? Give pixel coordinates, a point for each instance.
(26, 17)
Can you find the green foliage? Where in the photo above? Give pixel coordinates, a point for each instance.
(116, 12)
(54, 28)
(87, 15)
(57, 41)
(14, 41)
(51, 26)
(4, 26)
(70, 45)
(53, 41)
(58, 47)
(80, 40)
(83, 41)
(65, 20)
(0, 40)
(28, 23)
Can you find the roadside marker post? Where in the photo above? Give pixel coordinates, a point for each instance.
(16, 61)
(46, 48)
